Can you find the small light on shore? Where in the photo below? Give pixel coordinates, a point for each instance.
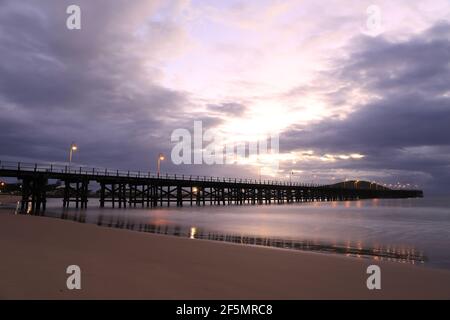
(192, 233)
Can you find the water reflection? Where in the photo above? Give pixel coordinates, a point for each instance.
(349, 248)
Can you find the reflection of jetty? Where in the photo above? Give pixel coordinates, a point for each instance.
(125, 188)
(356, 249)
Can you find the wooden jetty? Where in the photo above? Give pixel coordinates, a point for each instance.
(122, 189)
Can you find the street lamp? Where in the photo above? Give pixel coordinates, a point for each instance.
(160, 158)
(73, 148)
(356, 184)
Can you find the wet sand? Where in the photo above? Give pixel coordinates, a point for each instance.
(122, 264)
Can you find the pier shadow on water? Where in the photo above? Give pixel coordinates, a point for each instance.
(356, 249)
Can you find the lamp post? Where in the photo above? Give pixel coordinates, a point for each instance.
(356, 184)
(73, 148)
(314, 176)
(160, 158)
(290, 176)
(259, 174)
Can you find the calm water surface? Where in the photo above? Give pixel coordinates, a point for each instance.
(413, 231)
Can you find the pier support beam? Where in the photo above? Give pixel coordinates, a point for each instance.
(34, 198)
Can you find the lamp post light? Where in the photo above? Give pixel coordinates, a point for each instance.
(160, 158)
(73, 148)
(313, 179)
(290, 176)
(356, 184)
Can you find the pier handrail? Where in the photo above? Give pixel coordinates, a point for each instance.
(107, 172)
(99, 171)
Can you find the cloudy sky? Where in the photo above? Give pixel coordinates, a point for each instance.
(355, 89)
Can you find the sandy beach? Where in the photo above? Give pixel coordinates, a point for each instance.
(122, 264)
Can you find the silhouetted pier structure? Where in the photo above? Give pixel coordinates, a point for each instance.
(132, 189)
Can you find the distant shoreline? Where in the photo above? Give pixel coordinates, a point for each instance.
(118, 263)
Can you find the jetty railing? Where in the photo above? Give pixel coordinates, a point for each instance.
(108, 172)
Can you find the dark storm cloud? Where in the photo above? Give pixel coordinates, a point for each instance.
(406, 125)
(399, 122)
(96, 86)
(88, 86)
(420, 64)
